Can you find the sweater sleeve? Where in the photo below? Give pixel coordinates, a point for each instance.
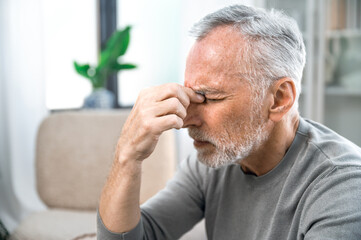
(333, 210)
(171, 212)
(104, 234)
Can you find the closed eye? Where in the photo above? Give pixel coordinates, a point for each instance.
(215, 98)
(212, 99)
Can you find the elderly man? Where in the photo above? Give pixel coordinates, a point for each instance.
(261, 171)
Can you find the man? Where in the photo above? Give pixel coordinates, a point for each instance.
(261, 171)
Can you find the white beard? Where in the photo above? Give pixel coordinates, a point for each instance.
(228, 149)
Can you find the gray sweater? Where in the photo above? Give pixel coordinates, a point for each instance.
(313, 193)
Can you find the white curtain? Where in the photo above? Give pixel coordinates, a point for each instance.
(22, 106)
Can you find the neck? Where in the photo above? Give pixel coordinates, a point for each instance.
(281, 136)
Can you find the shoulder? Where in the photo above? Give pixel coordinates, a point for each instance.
(327, 172)
(319, 153)
(323, 143)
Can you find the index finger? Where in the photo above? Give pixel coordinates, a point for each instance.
(193, 96)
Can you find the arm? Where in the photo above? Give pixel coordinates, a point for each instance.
(180, 205)
(156, 110)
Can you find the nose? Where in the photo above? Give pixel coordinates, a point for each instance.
(194, 117)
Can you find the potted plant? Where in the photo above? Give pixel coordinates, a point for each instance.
(108, 64)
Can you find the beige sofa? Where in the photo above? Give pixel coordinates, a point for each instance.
(74, 152)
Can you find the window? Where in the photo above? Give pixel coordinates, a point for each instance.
(154, 45)
(70, 33)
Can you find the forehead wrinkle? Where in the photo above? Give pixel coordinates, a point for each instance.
(215, 64)
(221, 87)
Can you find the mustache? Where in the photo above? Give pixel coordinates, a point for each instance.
(199, 135)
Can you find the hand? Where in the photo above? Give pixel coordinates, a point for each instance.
(156, 110)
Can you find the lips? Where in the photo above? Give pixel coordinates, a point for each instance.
(200, 140)
(199, 143)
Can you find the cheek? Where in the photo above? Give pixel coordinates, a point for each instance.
(216, 117)
(221, 115)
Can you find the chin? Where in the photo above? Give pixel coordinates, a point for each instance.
(217, 160)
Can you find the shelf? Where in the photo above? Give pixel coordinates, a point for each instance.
(343, 33)
(341, 91)
(338, 91)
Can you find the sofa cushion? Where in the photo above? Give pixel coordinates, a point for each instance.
(57, 224)
(74, 153)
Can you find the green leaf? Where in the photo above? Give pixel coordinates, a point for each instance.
(120, 41)
(117, 66)
(116, 46)
(82, 69)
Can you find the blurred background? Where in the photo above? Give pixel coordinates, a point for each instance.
(40, 40)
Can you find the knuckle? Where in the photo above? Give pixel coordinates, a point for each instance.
(147, 126)
(142, 114)
(143, 94)
(176, 121)
(173, 88)
(179, 123)
(184, 113)
(187, 102)
(179, 92)
(148, 91)
(174, 103)
(173, 119)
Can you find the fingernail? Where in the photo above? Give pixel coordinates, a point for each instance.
(200, 97)
(200, 94)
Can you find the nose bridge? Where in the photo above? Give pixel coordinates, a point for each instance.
(193, 117)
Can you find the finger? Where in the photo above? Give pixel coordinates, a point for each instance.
(193, 96)
(185, 95)
(167, 122)
(173, 90)
(170, 106)
(167, 90)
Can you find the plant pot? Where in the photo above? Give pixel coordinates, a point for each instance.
(100, 98)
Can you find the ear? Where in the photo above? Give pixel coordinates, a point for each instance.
(284, 96)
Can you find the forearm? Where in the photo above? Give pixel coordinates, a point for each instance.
(156, 110)
(119, 202)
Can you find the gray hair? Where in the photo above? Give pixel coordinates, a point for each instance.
(274, 46)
